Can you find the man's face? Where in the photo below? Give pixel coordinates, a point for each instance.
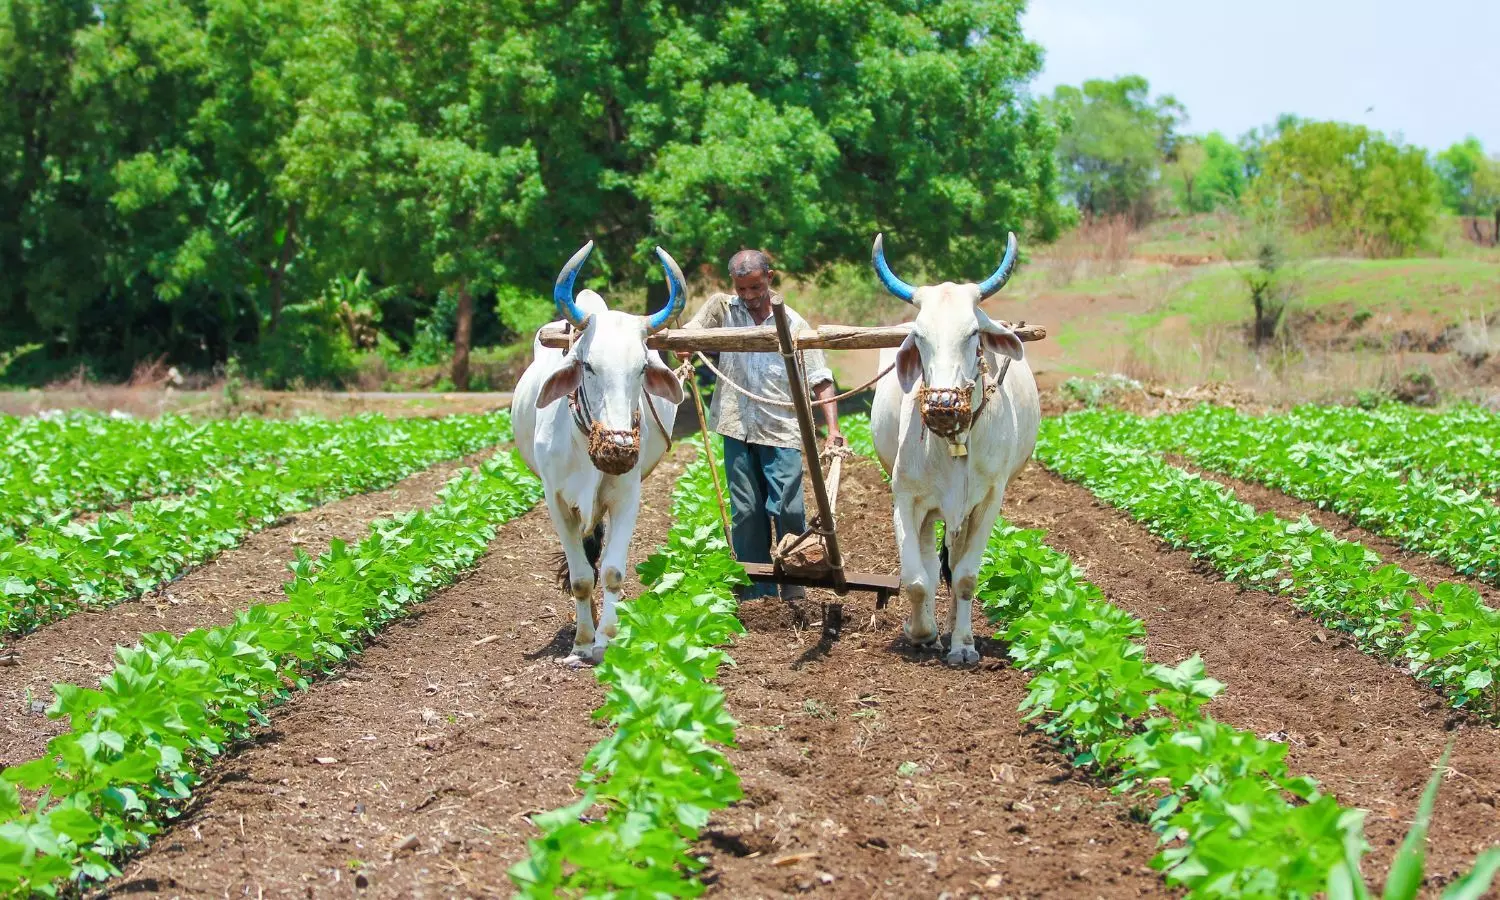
(753, 289)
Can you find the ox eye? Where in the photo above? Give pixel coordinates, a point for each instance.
(589, 368)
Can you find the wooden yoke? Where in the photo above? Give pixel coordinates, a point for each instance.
(764, 339)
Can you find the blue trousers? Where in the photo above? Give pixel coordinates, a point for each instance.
(765, 483)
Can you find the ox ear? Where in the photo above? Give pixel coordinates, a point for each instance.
(999, 339)
(560, 383)
(661, 381)
(909, 363)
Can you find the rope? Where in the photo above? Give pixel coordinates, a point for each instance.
(787, 404)
(708, 447)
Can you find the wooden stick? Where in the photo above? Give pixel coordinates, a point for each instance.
(763, 338)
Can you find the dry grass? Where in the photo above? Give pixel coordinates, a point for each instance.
(1093, 250)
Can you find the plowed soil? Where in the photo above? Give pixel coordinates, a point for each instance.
(870, 768)
(80, 648)
(1363, 728)
(412, 774)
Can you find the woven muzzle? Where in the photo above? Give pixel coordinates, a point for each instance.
(947, 411)
(615, 451)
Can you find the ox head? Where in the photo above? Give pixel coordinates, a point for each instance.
(609, 365)
(944, 349)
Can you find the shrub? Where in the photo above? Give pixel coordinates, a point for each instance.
(310, 346)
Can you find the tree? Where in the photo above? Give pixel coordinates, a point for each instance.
(1470, 181)
(1206, 174)
(1181, 174)
(1221, 179)
(179, 176)
(1113, 143)
(1365, 191)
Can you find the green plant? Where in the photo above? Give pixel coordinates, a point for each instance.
(61, 566)
(656, 778)
(1404, 881)
(234, 382)
(1445, 636)
(309, 346)
(136, 745)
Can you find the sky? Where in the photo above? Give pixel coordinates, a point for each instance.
(1428, 70)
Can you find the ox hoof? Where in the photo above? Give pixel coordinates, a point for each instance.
(922, 638)
(963, 656)
(583, 656)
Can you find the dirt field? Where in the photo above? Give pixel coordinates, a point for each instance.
(870, 769)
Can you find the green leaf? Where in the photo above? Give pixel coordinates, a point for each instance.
(1476, 883)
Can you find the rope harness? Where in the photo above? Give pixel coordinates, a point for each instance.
(950, 413)
(614, 451)
(787, 404)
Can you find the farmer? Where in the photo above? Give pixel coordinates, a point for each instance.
(762, 445)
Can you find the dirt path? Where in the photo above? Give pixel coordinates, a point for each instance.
(1364, 729)
(440, 744)
(874, 771)
(80, 648)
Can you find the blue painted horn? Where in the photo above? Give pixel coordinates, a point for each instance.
(887, 277)
(677, 296)
(1007, 265)
(562, 292)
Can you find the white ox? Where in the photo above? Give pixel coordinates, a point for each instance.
(593, 450)
(921, 438)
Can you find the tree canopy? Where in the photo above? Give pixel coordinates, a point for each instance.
(178, 177)
(1370, 192)
(1114, 141)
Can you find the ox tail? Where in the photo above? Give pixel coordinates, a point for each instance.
(944, 570)
(593, 545)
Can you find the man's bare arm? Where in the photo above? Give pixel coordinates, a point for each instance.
(827, 391)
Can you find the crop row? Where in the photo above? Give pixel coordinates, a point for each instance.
(1461, 445)
(1422, 512)
(137, 743)
(121, 555)
(658, 776)
(96, 462)
(1234, 820)
(1445, 636)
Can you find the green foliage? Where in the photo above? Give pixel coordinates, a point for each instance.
(1369, 193)
(1207, 174)
(194, 173)
(1113, 142)
(1469, 180)
(1445, 636)
(60, 566)
(135, 746)
(658, 776)
(309, 348)
(1404, 882)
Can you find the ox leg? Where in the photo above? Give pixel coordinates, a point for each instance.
(569, 526)
(612, 564)
(916, 536)
(965, 555)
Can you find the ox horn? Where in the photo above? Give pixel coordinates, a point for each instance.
(1007, 265)
(887, 277)
(562, 292)
(677, 293)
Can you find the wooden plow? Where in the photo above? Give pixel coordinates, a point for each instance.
(813, 558)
